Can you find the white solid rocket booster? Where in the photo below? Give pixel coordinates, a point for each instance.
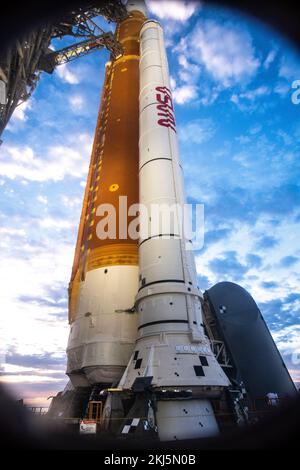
(171, 346)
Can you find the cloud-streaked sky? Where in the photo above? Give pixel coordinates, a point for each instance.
(239, 137)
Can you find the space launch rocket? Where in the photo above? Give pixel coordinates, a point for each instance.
(135, 305)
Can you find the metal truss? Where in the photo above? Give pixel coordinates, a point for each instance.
(22, 64)
(216, 342)
(220, 353)
(50, 60)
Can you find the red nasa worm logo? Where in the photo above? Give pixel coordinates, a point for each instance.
(165, 108)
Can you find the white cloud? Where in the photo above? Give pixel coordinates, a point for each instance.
(188, 72)
(19, 113)
(282, 89)
(179, 10)
(64, 72)
(288, 339)
(225, 51)
(37, 329)
(55, 164)
(289, 68)
(56, 223)
(35, 267)
(242, 239)
(251, 95)
(172, 83)
(286, 138)
(269, 59)
(243, 139)
(12, 232)
(31, 379)
(42, 199)
(72, 202)
(209, 95)
(184, 94)
(197, 131)
(242, 159)
(255, 129)
(77, 102)
(183, 61)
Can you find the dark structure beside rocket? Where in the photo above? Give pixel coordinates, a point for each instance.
(255, 358)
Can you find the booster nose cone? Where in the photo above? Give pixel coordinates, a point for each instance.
(136, 5)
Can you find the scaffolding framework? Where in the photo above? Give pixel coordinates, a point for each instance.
(22, 63)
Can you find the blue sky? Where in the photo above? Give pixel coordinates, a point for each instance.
(239, 138)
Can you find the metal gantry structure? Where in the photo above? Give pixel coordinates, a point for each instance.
(22, 63)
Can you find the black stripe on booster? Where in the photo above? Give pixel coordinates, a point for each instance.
(171, 235)
(154, 159)
(158, 282)
(161, 321)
